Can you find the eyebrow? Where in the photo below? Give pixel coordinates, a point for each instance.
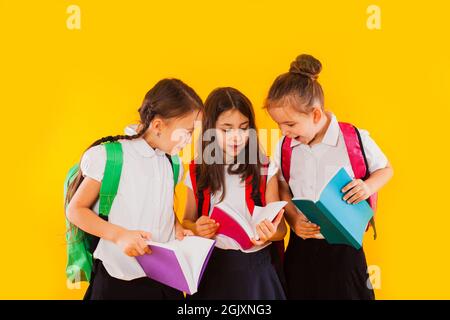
(230, 125)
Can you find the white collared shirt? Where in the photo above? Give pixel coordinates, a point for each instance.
(234, 198)
(144, 200)
(312, 167)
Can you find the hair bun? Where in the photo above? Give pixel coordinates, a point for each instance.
(307, 66)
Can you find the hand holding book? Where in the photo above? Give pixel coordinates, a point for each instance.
(340, 222)
(206, 227)
(304, 228)
(244, 229)
(133, 242)
(266, 229)
(356, 191)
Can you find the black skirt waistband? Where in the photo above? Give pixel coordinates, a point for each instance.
(236, 259)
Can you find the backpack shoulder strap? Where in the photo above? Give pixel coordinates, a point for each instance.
(286, 154)
(251, 198)
(193, 176)
(358, 160)
(202, 197)
(255, 191)
(263, 184)
(355, 150)
(285, 160)
(111, 176)
(175, 164)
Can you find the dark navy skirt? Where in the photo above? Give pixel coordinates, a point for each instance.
(105, 287)
(315, 269)
(235, 275)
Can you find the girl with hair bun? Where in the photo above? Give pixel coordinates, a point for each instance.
(313, 147)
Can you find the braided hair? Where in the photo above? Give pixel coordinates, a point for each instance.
(169, 98)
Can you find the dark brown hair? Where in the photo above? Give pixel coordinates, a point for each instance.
(213, 175)
(299, 85)
(169, 98)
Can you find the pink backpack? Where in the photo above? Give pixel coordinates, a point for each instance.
(355, 152)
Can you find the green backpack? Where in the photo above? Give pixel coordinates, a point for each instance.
(81, 245)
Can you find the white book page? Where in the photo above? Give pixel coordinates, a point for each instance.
(192, 252)
(268, 212)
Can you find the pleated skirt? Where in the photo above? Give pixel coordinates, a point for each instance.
(316, 270)
(105, 287)
(235, 275)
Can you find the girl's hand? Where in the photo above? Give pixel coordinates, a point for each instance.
(358, 191)
(305, 229)
(267, 229)
(181, 232)
(206, 227)
(133, 242)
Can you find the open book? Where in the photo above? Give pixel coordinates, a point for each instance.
(340, 222)
(178, 264)
(239, 228)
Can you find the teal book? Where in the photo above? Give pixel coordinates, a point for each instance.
(340, 222)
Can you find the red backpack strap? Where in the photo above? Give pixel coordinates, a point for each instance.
(358, 160)
(206, 206)
(355, 150)
(202, 197)
(286, 154)
(255, 191)
(193, 175)
(248, 194)
(263, 183)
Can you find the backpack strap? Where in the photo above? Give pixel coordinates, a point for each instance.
(202, 197)
(251, 198)
(355, 150)
(255, 191)
(111, 177)
(286, 156)
(193, 176)
(259, 190)
(358, 160)
(175, 164)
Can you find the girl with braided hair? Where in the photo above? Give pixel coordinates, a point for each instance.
(143, 206)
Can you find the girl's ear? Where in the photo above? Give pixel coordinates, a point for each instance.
(317, 114)
(157, 125)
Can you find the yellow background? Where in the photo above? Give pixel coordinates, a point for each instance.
(61, 89)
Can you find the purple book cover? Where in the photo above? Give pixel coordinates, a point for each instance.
(163, 266)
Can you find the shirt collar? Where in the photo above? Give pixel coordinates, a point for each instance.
(140, 145)
(331, 135)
